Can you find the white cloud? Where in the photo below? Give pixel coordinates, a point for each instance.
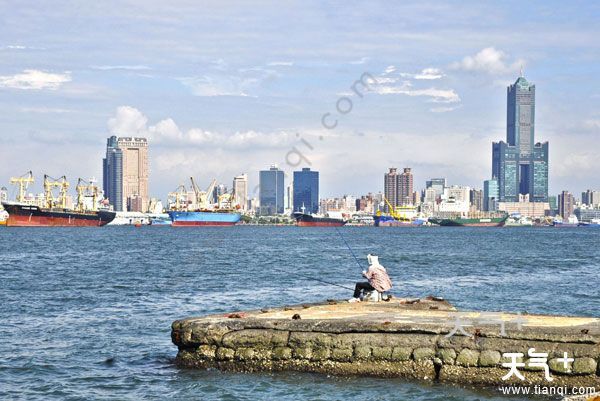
(436, 95)
(20, 47)
(229, 82)
(360, 61)
(430, 73)
(592, 124)
(120, 67)
(280, 63)
(443, 109)
(45, 110)
(35, 79)
(129, 121)
(214, 85)
(489, 60)
(391, 82)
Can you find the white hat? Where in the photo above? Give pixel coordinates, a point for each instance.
(373, 260)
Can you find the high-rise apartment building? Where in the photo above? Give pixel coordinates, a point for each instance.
(240, 191)
(476, 196)
(135, 170)
(271, 191)
(390, 188)
(306, 191)
(520, 164)
(566, 204)
(398, 188)
(591, 198)
(405, 187)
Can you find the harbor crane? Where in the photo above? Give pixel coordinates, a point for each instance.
(202, 197)
(394, 211)
(86, 188)
(178, 198)
(49, 185)
(23, 183)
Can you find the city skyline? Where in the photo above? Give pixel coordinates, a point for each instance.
(439, 105)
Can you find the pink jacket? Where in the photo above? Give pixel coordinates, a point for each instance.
(378, 278)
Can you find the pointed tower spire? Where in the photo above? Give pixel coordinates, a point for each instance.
(521, 71)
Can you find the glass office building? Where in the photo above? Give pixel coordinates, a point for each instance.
(490, 195)
(520, 164)
(306, 191)
(271, 191)
(112, 174)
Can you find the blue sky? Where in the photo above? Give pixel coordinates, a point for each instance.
(222, 88)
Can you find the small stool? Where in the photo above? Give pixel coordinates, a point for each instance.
(372, 296)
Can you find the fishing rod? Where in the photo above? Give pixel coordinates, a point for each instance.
(313, 278)
(351, 251)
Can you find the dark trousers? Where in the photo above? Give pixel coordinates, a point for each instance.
(362, 286)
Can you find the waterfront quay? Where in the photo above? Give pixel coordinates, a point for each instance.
(423, 339)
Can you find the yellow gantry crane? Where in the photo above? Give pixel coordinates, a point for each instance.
(23, 183)
(394, 211)
(84, 189)
(49, 185)
(202, 197)
(178, 198)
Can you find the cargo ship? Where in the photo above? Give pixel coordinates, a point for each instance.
(309, 220)
(51, 210)
(397, 216)
(384, 220)
(204, 218)
(470, 221)
(23, 215)
(200, 211)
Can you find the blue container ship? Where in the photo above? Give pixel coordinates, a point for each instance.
(204, 218)
(200, 211)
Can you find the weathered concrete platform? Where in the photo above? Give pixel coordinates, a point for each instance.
(426, 340)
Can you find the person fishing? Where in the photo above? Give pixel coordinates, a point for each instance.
(377, 276)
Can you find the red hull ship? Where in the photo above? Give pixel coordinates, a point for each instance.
(308, 220)
(22, 215)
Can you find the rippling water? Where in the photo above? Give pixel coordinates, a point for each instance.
(86, 313)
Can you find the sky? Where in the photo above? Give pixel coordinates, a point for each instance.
(223, 88)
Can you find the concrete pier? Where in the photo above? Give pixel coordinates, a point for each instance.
(423, 339)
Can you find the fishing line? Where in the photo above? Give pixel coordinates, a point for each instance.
(314, 279)
(351, 251)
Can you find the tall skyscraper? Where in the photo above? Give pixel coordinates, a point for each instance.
(520, 164)
(405, 187)
(112, 177)
(390, 188)
(306, 190)
(566, 204)
(240, 191)
(271, 191)
(398, 188)
(490, 195)
(125, 173)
